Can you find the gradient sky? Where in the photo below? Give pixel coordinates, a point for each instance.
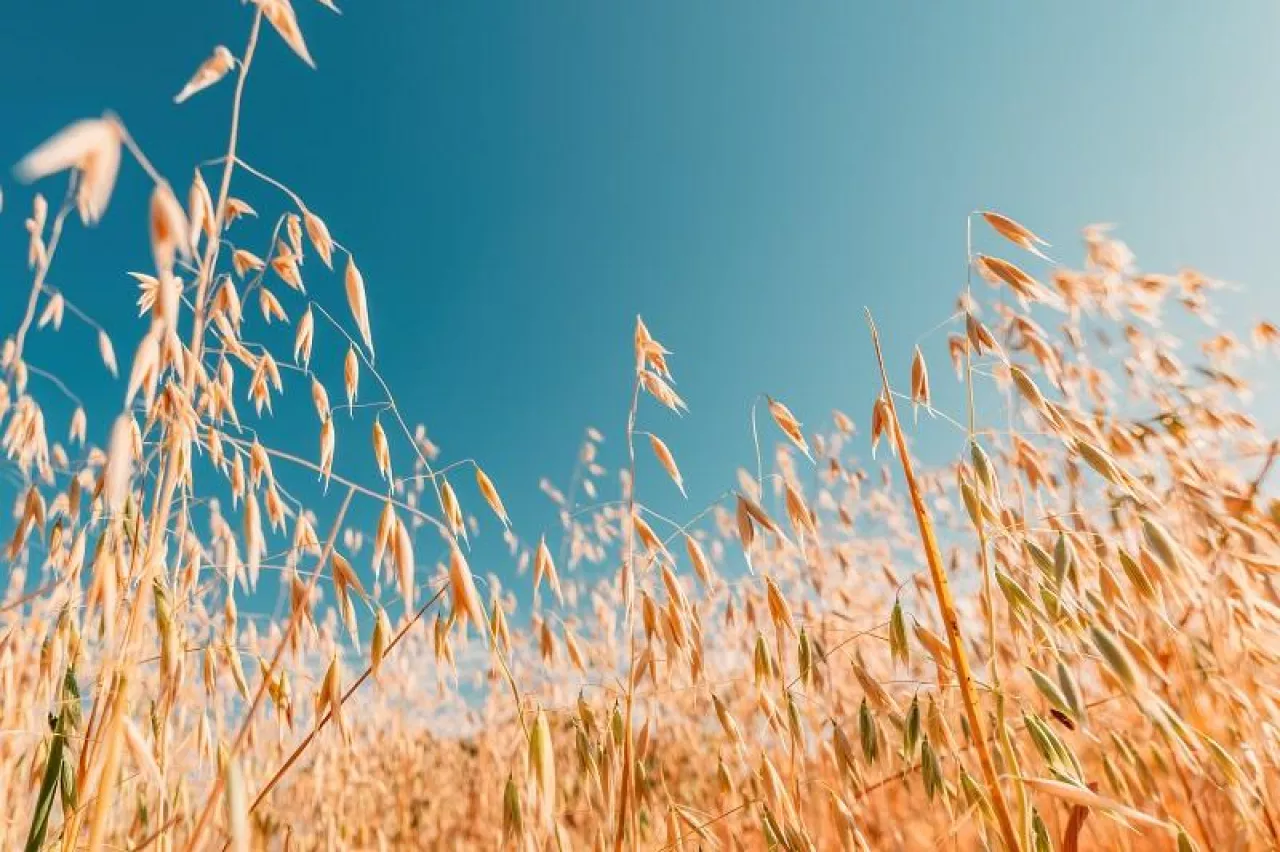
(519, 180)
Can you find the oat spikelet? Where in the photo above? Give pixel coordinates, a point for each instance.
(701, 565)
(351, 374)
(210, 72)
(318, 233)
(119, 467)
(1015, 233)
(378, 643)
(93, 147)
(462, 590)
(170, 233)
(668, 462)
(304, 338)
(544, 567)
(381, 450)
(789, 425)
(244, 261)
(406, 568)
(327, 440)
(281, 16)
(919, 379)
(356, 301)
(490, 494)
(542, 764)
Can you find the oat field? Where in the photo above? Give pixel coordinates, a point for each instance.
(1067, 636)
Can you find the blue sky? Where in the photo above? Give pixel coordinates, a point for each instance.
(519, 180)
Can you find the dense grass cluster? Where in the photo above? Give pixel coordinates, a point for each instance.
(1066, 638)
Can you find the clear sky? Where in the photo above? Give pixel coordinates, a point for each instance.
(519, 180)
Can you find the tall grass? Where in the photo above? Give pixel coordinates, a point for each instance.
(1066, 638)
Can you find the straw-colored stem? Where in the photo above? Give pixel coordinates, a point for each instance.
(947, 611)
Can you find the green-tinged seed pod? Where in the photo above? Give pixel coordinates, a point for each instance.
(804, 657)
(1161, 543)
(1040, 738)
(542, 764)
(67, 787)
(843, 750)
(974, 795)
(868, 733)
(899, 649)
(1015, 595)
(617, 726)
(584, 713)
(794, 726)
(773, 836)
(1050, 691)
(381, 638)
(583, 747)
(1064, 557)
(762, 666)
(970, 499)
(1040, 557)
(1040, 840)
(1117, 660)
(930, 769)
(1225, 762)
(512, 816)
(911, 729)
(1137, 576)
(985, 472)
(1070, 692)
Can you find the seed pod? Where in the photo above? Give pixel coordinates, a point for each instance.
(512, 817)
(490, 494)
(1115, 656)
(543, 766)
(899, 650)
(919, 379)
(357, 302)
(668, 462)
(1014, 232)
(789, 425)
(378, 644)
(911, 729)
(868, 733)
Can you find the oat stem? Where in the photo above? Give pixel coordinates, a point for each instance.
(947, 610)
